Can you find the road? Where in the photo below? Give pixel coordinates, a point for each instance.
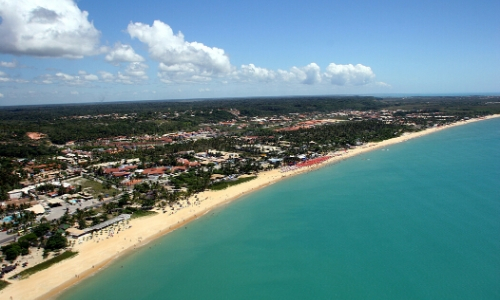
(5, 238)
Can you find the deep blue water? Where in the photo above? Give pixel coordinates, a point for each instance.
(418, 221)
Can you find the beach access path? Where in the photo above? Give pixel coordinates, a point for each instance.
(96, 254)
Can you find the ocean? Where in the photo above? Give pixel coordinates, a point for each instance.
(417, 220)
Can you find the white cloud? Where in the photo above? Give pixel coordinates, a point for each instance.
(60, 77)
(4, 77)
(250, 73)
(46, 28)
(180, 60)
(91, 77)
(342, 75)
(65, 77)
(383, 84)
(7, 64)
(137, 70)
(123, 53)
(134, 73)
(309, 74)
(106, 76)
(87, 77)
(1, 95)
(74, 93)
(349, 74)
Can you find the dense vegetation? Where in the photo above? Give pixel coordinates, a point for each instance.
(344, 133)
(155, 117)
(9, 180)
(63, 123)
(225, 184)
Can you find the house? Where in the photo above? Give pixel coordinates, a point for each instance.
(15, 194)
(52, 194)
(154, 171)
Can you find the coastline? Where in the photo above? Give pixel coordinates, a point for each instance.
(92, 257)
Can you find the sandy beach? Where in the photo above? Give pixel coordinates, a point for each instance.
(95, 255)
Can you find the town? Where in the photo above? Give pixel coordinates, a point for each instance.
(58, 192)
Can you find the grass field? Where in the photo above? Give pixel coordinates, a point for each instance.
(143, 213)
(93, 187)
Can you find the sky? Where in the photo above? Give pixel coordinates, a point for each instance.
(81, 51)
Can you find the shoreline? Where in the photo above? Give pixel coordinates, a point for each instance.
(92, 257)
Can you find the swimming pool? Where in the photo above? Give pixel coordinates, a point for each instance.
(8, 219)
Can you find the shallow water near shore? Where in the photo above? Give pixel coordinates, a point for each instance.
(418, 220)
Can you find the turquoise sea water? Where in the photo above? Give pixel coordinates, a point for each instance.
(420, 220)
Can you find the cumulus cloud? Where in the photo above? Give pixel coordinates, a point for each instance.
(311, 74)
(46, 28)
(251, 73)
(349, 74)
(123, 53)
(180, 60)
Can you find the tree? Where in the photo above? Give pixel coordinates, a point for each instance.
(124, 199)
(28, 240)
(12, 251)
(41, 229)
(55, 242)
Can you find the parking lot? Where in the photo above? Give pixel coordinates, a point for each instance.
(53, 213)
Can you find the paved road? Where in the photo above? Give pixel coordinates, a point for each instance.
(4, 237)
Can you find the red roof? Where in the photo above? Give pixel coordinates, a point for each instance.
(180, 168)
(154, 171)
(133, 182)
(111, 170)
(120, 174)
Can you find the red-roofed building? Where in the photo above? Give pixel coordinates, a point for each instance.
(52, 194)
(120, 174)
(179, 168)
(154, 171)
(133, 182)
(111, 170)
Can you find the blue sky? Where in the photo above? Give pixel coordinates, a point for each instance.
(65, 51)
